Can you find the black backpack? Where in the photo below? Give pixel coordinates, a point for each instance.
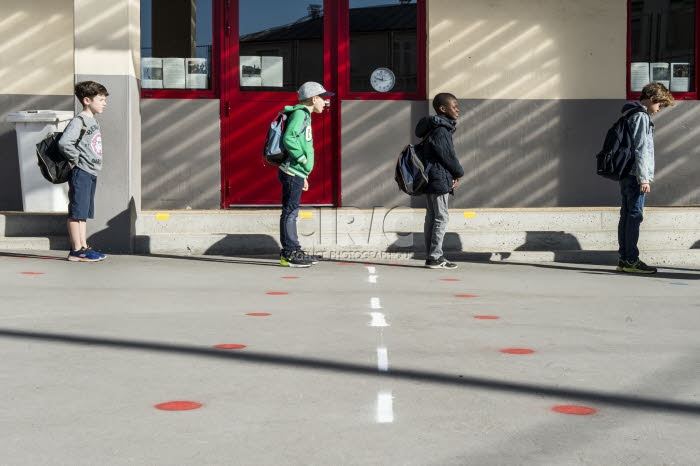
(615, 161)
(411, 174)
(54, 166)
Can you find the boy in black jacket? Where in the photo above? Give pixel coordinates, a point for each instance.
(444, 174)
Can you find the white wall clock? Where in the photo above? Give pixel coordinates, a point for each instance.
(382, 79)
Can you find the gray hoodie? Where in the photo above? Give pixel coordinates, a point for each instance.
(87, 154)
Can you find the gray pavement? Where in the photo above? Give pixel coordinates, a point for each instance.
(361, 363)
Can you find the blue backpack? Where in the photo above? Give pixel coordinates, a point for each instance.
(274, 152)
(615, 160)
(411, 174)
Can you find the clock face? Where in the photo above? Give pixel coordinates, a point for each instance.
(382, 79)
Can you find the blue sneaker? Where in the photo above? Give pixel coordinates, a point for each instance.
(83, 255)
(97, 253)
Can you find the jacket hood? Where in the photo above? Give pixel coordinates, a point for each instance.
(430, 123)
(630, 105)
(291, 108)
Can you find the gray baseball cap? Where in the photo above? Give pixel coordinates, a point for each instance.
(310, 89)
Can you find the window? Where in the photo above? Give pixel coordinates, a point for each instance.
(663, 45)
(281, 44)
(383, 46)
(177, 48)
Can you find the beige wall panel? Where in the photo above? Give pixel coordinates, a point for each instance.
(527, 49)
(116, 53)
(36, 47)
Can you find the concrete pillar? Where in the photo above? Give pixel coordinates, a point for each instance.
(107, 50)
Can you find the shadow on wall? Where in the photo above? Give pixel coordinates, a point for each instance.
(525, 146)
(180, 154)
(119, 235)
(549, 241)
(10, 186)
(230, 245)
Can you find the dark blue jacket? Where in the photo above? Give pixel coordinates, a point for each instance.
(439, 151)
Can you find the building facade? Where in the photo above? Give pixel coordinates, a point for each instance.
(194, 83)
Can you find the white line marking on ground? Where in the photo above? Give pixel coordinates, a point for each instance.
(372, 279)
(385, 408)
(374, 303)
(371, 270)
(382, 359)
(378, 320)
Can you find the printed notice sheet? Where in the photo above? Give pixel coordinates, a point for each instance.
(174, 73)
(197, 73)
(661, 73)
(680, 77)
(257, 71)
(151, 73)
(639, 75)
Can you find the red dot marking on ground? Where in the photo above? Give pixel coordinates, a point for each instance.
(178, 405)
(465, 296)
(290, 277)
(449, 279)
(258, 314)
(276, 293)
(574, 409)
(32, 273)
(229, 346)
(487, 317)
(346, 263)
(517, 351)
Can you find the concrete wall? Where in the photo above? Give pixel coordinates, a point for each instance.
(107, 50)
(539, 49)
(517, 153)
(181, 154)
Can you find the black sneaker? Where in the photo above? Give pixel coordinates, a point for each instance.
(294, 260)
(309, 257)
(638, 267)
(440, 263)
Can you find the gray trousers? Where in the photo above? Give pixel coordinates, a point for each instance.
(437, 216)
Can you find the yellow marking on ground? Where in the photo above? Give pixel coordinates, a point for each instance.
(469, 214)
(162, 216)
(306, 215)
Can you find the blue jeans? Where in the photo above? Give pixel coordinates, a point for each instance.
(630, 218)
(292, 187)
(437, 216)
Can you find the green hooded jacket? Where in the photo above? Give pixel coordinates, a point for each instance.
(299, 141)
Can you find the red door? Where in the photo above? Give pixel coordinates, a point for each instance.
(270, 48)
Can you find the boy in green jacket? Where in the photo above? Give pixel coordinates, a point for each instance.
(293, 174)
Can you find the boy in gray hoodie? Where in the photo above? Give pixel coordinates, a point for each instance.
(81, 143)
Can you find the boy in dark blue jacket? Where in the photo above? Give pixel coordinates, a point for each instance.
(444, 174)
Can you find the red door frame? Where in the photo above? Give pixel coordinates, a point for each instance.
(231, 93)
(336, 40)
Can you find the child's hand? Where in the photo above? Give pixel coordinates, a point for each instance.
(454, 183)
(645, 188)
(306, 185)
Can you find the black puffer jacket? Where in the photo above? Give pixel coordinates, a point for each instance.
(439, 151)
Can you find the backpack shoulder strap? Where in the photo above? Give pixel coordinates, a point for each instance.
(82, 130)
